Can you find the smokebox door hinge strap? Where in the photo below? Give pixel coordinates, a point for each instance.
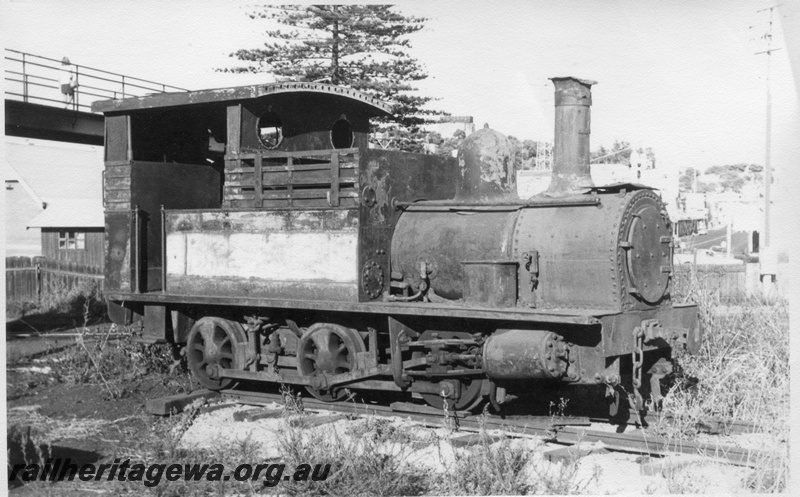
(638, 360)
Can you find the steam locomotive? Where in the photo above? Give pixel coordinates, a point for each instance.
(256, 228)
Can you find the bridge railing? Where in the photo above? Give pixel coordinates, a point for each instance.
(37, 79)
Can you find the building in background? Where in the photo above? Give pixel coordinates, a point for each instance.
(54, 200)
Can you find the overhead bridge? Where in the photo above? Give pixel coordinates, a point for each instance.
(35, 107)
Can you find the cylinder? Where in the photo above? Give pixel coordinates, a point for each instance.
(524, 354)
(573, 99)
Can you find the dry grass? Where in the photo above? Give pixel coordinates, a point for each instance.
(741, 372)
(377, 461)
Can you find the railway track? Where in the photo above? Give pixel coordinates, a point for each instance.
(566, 430)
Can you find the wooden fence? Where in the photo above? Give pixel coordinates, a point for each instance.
(35, 278)
(724, 281)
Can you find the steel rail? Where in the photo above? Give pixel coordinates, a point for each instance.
(638, 441)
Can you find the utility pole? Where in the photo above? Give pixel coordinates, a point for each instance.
(767, 258)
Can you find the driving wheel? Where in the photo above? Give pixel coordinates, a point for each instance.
(328, 349)
(214, 343)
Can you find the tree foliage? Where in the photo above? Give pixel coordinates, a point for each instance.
(686, 179)
(619, 153)
(364, 47)
(523, 151)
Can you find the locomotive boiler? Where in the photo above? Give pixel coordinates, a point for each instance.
(256, 228)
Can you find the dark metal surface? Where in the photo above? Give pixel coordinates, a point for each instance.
(564, 316)
(443, 240)
(399, 248)
(239, 93)
(525, 355)
(617, 329)
(490, 283)
(120, 256)
(46, 122)
(325, 350)
(647, 240)
(572, 128)
(215, 343)
(486, 167)
(501, 205)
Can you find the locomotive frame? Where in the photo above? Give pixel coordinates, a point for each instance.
(255, 227)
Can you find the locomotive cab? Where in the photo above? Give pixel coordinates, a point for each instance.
(254, 192)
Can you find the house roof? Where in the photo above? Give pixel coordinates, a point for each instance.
(61, 176)
(71, 213)
(374, 107)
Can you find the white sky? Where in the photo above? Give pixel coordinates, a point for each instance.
(678, 76)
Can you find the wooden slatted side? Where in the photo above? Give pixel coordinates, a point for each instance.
(117, 186)
(318, 178)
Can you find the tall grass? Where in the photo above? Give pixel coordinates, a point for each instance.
(743, 364)
(741, 372)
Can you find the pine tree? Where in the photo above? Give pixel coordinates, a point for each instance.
(364, 47)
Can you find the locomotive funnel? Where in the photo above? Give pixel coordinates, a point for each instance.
(572, 127)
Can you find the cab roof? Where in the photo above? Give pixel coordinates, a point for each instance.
(373, 107)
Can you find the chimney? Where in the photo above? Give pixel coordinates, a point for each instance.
(571, 148)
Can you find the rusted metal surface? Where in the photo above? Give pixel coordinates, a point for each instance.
(297, 254)
(386, 176)
(118, 263)
(617, 329)
(154, 185)
(564, 316)
(230, 288)
(509, 205)
(492, 283)
(584, 263)
(328, 351)
(486, 167)
(239, 93)
(258, 221)
(648, 245)
(573, 98)
(443, 240)
(213, 344)
(396, 176)
(525, 354)
(155, 324)
(358, 237)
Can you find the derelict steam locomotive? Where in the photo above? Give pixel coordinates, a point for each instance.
(257, 228)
